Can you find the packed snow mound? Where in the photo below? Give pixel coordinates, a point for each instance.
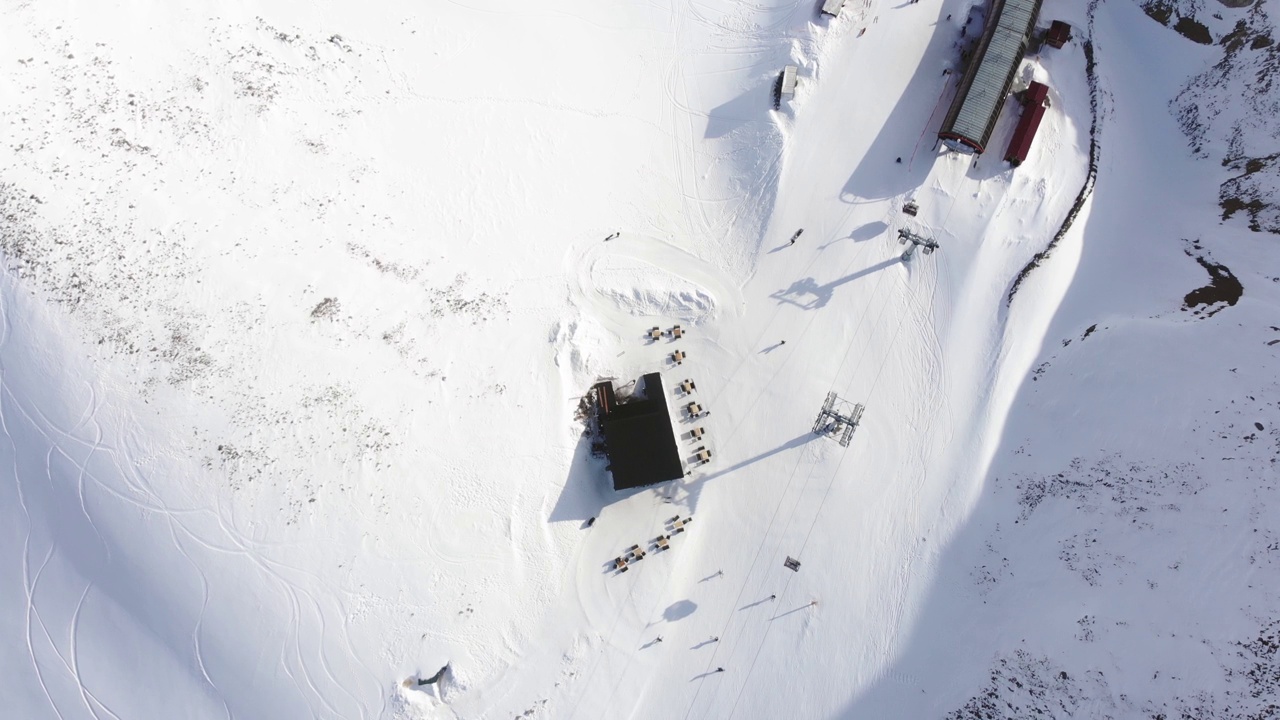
(640, 288)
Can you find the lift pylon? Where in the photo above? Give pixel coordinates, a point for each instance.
(838, 419)
(917, 241)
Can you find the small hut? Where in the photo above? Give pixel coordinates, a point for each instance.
(1059, 34)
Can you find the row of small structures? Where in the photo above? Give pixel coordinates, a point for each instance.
(635, 553)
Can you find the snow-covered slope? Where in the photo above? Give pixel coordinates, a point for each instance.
(302, 300)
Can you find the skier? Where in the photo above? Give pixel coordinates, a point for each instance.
(591, 522)
(899, 161)
(719, 669)
(773, 597)
(715, 639)
(659, 638)
(782, 342)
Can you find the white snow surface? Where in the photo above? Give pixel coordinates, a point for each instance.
(302, 298)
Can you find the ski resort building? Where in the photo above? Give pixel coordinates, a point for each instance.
(1036, 100)
(1059, 34)
(980, 96)
(639, 439)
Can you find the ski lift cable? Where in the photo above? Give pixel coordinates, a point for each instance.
(866, 345)
(786, 490)
(768, 326)
(743, 587)
(817, 515)
(795, 509)
(726, 439)
(791, 479)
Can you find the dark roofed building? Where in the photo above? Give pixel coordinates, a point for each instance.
(1059, 34)
(986, 81)
(638, 436)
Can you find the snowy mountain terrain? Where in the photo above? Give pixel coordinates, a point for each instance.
(301, 302)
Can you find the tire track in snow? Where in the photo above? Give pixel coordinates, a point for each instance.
(28, 582)
(142, 486)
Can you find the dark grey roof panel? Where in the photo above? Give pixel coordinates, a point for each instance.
(986, 82)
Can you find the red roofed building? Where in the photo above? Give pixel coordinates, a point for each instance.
(1059, 34)
(1036, 99)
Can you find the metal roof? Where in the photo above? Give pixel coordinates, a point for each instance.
(986, 81)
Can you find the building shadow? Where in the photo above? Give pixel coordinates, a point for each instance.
(879, 175)
(587, 489)
(753, 104)
(822, 294)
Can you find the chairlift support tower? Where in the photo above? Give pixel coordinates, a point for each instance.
(838, 418)
(916, 241)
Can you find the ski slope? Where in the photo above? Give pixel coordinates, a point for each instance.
(302, 299)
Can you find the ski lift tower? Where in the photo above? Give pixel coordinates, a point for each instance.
(906, 236)
(838, 419)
